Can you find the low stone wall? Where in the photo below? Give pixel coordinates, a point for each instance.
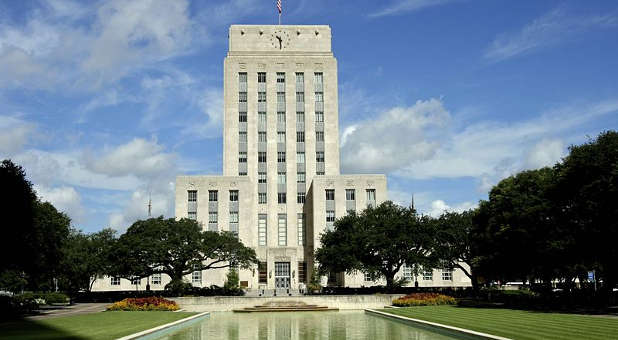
(228, 303)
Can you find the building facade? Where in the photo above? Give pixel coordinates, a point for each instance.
(281, 185)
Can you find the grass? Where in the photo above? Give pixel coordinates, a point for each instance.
(517, 324)
(103, 325)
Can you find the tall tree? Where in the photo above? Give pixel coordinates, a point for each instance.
(587, 194)
(378, 242)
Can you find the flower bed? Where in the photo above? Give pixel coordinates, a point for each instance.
(144, 304)
(424, 299)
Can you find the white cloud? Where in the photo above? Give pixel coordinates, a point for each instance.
(139, 158)
(66, 199)
(14, 134)
(162, 197)
(402, 6)
(395, 138)
(547, 152)
(438, 207)
(550, 29)
(211, 105)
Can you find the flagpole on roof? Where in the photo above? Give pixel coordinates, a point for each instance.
(279, 8)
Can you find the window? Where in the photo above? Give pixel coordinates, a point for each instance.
(261, 177)
(367, 277)
(262, 156)
(300, 177)
(280, 137)
(192, 215)
(319, 136)
(319, 97)
(447, 274)
(262, 272)
(261, 77)
(281, 117)
(242, 77)
(242, 157)
(281, 178)
(330, 194)
(301, 229)
(136, 281)
(300, 97)
(300, 79)
(242, 137)
(319, 173)
(261, 198)
(427, 274)
(350, 194)
(280, 77)
(262, 229)
(242, 173)
(281, 156)
(407, 272)
(212, 217)
(280, 97)
(300, 197)
(262, 117)
(300, 157)
(233, 195)
(300, 117)
(115, 281)
(371, 195)
(156, 279)
(319, 117)
(196, 277)
(281, 197)
(233, 216)
(350, 211)
(300, 136)
(262, 137)
(283, 230)
(212, 195)
(319, 78)
(192, 195)
(302, 272)
(261, 97)
(330, 216)
(242, 97)
(242, 116)
(319, 156)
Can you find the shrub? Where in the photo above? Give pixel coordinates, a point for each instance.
(424, 299)
(144, 304)
(178, 288)
(55, 297)
(15, 306)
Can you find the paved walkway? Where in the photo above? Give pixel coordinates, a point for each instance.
(77, 309)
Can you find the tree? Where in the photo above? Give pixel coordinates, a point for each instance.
(378, 242)
(455, 242)
(587, 194)
(177, 248)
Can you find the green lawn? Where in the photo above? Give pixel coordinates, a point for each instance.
(103, 325)
(517, 324)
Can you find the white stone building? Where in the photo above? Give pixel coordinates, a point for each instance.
(281, 184)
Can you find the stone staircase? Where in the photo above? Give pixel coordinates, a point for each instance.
(285, 306)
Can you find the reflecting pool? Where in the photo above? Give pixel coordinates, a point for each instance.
(300, 325)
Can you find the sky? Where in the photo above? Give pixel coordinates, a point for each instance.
(104, 102)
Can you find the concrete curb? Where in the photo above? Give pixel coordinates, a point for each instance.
(439, 325)
(162, 327)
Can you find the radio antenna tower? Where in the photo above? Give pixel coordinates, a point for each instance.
(149, 203)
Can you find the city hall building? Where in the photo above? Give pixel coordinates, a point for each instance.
(281, 185)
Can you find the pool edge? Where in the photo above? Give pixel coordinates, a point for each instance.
(162, 327)
(438, 325)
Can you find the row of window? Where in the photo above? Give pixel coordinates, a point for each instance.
(300, 78)
(350, 194)
(427, 274)
(262, 118)
(263, 272)
(213, 195)
(300, 136)
(282, 230)
(155, 279)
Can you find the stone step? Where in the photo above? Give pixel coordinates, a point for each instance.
(290, 309)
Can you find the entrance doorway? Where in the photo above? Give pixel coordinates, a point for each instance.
(282, 275)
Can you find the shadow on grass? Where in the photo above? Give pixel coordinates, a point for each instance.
(481, 304)
(31, 329)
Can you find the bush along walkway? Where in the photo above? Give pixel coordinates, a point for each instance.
(516, 324)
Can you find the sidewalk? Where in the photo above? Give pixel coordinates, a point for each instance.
(77, 309)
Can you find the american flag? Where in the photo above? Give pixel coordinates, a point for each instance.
(279, 6)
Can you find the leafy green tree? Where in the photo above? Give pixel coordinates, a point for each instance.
(177, 248)
(378, 242)
(587, 194)
(455, 242)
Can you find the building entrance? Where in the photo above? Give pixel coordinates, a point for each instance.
(282, 275)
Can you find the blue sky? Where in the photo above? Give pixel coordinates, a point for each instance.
(104, 103)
